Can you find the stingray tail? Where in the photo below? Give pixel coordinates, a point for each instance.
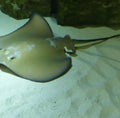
(87, 44)
(83, 44)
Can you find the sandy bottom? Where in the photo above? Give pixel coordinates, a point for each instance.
(91, 89)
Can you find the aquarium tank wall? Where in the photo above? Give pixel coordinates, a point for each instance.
(67, 12)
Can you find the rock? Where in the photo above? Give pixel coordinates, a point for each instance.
(23, 8)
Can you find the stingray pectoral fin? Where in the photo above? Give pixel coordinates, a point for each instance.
(39, 63)
(41, 71)
(37, 26)
(6, 69)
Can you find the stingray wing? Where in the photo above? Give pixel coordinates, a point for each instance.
(37, 26)
(36, 60)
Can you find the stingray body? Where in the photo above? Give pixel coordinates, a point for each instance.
(32, 52)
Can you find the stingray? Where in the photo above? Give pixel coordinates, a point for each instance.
(34, 53)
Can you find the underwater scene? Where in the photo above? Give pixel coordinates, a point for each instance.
(59, 59)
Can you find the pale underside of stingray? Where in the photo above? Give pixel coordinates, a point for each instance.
(32, 52)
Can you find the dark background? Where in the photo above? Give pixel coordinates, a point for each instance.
(68, 12)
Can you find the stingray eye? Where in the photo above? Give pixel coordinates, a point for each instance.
(11, 57)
